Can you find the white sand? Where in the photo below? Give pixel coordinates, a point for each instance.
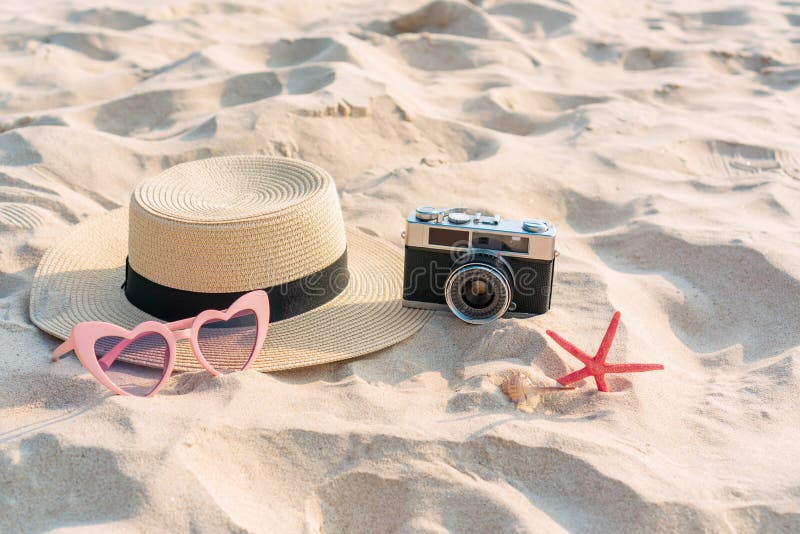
(663, 142)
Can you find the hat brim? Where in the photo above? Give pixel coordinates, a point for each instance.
(80, 278)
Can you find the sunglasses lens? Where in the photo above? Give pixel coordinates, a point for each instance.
(228, 345)
(148, 349)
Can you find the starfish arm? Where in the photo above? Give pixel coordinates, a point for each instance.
(600, 380)
(569, 347)
(633, 367)
(574, 377)
(608, 339)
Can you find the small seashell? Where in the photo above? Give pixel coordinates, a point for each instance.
(520, 388)
(517, 385)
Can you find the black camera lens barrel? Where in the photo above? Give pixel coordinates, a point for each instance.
(479, 288)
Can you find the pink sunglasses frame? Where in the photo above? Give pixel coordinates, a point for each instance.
(83, 337)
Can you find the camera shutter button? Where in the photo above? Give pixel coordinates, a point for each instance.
(458, 218)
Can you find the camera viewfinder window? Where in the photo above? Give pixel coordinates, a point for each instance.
(448, 238)
(504, 243)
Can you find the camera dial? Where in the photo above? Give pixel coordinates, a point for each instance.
(426, 213)
(458, 217)
(479, 288)
(535, 226)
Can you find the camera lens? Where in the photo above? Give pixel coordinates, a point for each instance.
(478, 289)
(477, 293)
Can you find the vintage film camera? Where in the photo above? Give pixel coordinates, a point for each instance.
(480, 267)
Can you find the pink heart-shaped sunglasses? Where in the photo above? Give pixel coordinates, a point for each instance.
(222, 341)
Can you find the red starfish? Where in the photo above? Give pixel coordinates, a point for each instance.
(597, 366)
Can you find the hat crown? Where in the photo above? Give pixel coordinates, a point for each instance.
(233, 224)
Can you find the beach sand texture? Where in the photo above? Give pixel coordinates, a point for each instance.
(660, 137)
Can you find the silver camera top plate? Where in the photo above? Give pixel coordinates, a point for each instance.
(531, 238)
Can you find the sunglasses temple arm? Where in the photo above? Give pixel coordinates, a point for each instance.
(111, 356)
(63, 349)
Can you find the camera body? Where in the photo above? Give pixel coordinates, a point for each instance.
(480, 267)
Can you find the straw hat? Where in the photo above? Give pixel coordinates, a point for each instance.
(207, 231)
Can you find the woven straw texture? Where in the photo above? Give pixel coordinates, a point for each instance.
(79, 279)
(235, 223)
